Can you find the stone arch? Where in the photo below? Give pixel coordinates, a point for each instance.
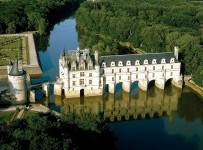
(118, 86)
(118, 89)
(134, 87)
(82, 93)
(168, 82)
(151, 83)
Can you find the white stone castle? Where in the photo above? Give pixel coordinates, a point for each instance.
(17, 79)
(82, 73)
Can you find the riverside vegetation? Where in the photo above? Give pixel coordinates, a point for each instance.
(45, 131)
(25, 15)
(153, 26)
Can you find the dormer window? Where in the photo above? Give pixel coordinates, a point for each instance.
(82, 66)
(103, 64)
(137, 62)
(120, 63)
(128, 63)
(145, 61)
(172, 60)
(112, 63)
(154, 61)
(90, 67)
(163, 61)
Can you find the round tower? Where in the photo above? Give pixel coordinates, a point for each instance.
(17, 83)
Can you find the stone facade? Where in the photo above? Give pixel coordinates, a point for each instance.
(79, 74)
(17, 79)
(82, 73)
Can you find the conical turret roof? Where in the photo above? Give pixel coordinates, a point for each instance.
(15, 70)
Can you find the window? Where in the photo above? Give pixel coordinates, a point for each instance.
(128, 63)
(128, 69)
(112, 63)
(90, 67)
(136, 76)
(73, 68)
(137, 62)
(103, 64)
(154, 61)
(172, 60)
(145, 68)
(145, 61)
(112, 78)
(119, 77)
(171, 66)
(90, 74)
(73, 83)
(162, 67)
(119, 69)
(153, 67)
(112, 71)
(82, 74)
(120, 63)
(128, 77)
(73, 75)
(90, 82)
(136, 68)
(81, 81)
(153, 75)
(82, 67)
(163, 60)
(171, 73)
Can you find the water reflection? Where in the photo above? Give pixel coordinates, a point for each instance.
(153, 103)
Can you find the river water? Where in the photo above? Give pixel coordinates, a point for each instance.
(170, 119)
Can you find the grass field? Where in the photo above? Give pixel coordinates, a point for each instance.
(6, 116)
(10, 47)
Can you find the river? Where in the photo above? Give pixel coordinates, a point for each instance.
(170, 119)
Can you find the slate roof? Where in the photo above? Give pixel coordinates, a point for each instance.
(15, 70)
(141, 57)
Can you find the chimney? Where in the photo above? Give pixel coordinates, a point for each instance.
(176, 51)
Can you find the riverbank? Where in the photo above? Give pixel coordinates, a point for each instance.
(190, 83)
(32, 66)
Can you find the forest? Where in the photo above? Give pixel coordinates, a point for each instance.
(27, 15)
(39, 131)
(151, 25)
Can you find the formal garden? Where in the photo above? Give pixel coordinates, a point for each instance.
(12, 47)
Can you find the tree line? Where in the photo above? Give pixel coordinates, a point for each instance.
(24, 15)
(48, 132)
(152, 25)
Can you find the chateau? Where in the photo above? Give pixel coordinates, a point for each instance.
(82, 73)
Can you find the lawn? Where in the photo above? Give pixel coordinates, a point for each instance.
(10, 47)
(6, 116)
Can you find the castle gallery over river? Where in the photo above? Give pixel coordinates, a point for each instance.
(82, 73)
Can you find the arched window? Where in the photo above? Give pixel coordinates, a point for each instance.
(128, 63)
(137, 62)
(163, 61)
(145, 61)
(154, 61)
(120, 63)
(103, 64)
(172, 60)
(112, 63)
